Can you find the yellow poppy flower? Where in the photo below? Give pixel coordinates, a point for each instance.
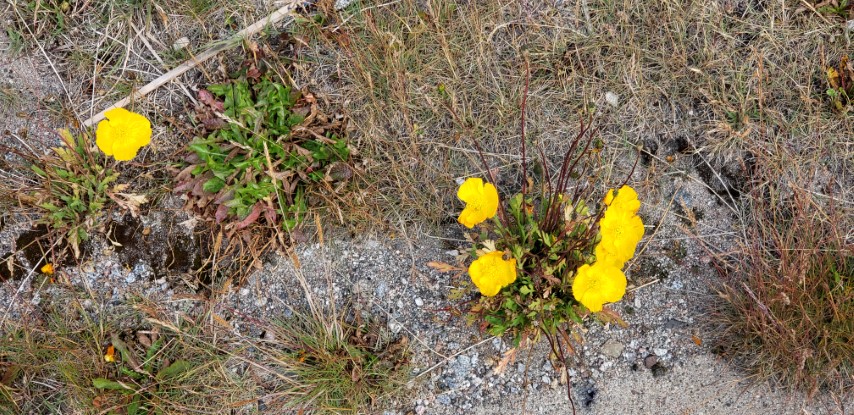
(626, 200)
(481, 201)
(597, 284)
(122, 133)
(621, 232)
(491, 272)
(47, 269)
(110, 354)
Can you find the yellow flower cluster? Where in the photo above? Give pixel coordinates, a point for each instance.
(621, 229)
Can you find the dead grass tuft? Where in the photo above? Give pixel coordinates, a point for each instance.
(422, 79)
(59, 365)
(787, 309)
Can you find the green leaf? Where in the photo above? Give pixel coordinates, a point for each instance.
(102, 383)
(213, 185)
(177, 368)
(133, 408)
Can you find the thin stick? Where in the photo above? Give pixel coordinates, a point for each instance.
(191, 63)
(522, 127)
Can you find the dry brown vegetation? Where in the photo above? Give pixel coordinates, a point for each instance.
(735, 86)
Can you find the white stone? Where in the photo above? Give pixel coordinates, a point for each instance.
(181, 43)
(612, 99)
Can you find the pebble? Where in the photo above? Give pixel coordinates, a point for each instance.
(419, 302)
(612, 99)
(131, 278)
(660, 351)
(181, 43)
(261, 302)
(612, 348)
(244, 292)
(650, 361)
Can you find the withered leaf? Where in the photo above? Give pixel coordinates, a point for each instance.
(251, 217)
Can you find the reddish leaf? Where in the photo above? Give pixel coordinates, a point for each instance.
(221, 213)
(270, 215)
(224, 197)
(183, 187)
(252, 216)
(214, 123)
(208, 99)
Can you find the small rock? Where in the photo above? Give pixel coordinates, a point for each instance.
(244, 292)
(181, 43)
(650, 361)
(261, 302)
(381, 290)
(131, 278)
(673, 323)
(546, 379)
(395, 327)
(612, 99)
(419, 302)
(444, 399)
(612, 348)
(520, 368)
(660, 351)
(850, 25)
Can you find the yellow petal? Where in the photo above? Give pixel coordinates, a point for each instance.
(481, 201)
(47, 269)
(491, 272)
(490, 200)
(124, 151)
(625, 200)
(471, 189)
(470, 217)
(104, 137)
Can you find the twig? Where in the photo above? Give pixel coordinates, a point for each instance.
(191, 63)
(447, 359)
(522, 126)
(154, 53)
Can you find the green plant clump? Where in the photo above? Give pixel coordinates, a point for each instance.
(74, 188)
(261, 158)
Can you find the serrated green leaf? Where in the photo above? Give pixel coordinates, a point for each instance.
(213, 185)
(102, 383)
(177, 368)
